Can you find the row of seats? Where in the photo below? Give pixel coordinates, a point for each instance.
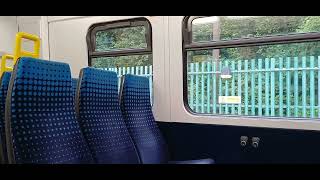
(48, 117)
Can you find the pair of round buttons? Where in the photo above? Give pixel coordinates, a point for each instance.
(244, 140)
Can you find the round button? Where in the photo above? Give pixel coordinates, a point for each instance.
(255, 144)
(243, 143)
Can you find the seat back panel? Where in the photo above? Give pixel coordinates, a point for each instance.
(137, 112)
(40, 117)
(100, 118)
(5, 79)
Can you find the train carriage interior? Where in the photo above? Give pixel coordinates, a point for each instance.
(159, 89)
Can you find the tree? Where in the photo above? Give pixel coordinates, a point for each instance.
(118, 39)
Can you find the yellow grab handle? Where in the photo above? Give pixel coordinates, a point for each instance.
(19, 52)
(3, 63)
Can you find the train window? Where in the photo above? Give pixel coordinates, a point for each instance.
(252, 66)
(122, 46)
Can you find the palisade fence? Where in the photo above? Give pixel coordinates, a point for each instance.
(281, 87)
(145, 71)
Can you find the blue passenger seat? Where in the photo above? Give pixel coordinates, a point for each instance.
(41, 125)
(4, 83)
(99, 114)
(137, 112)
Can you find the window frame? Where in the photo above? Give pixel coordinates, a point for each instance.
(188, 45)
(127, 23)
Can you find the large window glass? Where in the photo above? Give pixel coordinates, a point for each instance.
(216, 28)
(253, 66)
(121, 38)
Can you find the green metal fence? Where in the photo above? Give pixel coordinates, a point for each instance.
(281, 87)
(137, 70)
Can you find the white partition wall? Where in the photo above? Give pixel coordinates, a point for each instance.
(37, 25)
(8, 30)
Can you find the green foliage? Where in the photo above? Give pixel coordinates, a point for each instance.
(310, 24)
(119, 39)
(122, 61)
(258, 27)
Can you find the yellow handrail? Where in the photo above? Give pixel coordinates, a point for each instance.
(4, 67)
(19, 52)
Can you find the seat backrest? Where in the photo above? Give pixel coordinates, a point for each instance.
(41, 125)
(137, 112)
(4, 83)
(99, 114)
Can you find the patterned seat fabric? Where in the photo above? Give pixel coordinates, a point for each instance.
(41, 125)
(5, 78)
(74, 86)
(101, 120)
(137, 112)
